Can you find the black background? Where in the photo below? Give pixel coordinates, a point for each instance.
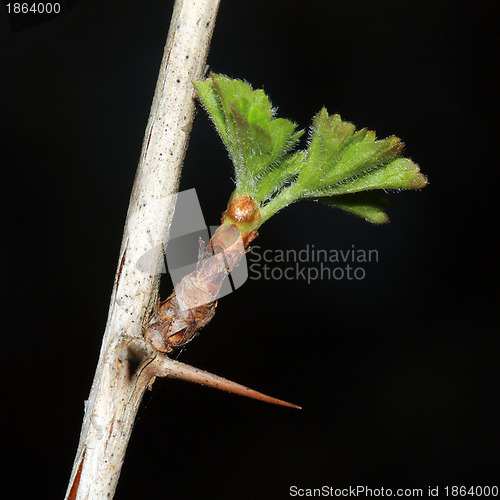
(397, 374)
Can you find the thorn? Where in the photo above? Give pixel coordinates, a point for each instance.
(166, 367)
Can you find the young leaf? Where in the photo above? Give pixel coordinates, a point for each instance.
(369, 205)
(244, 118)
(338, 158)
(341, 165)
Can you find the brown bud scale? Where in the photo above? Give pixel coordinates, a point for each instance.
(192, 305)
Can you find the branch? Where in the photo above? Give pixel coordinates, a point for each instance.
(122, 376)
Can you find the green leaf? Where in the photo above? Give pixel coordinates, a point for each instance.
(329, 136)
(398, 174)
(256, 141)
(337, 154)
(340, 165)
(370, 205)
(284, 173)
(211, 102)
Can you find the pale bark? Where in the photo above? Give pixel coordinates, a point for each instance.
(122, 374)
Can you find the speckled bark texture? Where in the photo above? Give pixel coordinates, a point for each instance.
(122, 375)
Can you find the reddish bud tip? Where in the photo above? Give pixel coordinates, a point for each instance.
(244, 210)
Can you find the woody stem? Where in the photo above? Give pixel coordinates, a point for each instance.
(121, 378)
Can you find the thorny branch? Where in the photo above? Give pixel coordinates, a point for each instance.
(122, 374)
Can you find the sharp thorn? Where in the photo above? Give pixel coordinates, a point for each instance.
(166, 367)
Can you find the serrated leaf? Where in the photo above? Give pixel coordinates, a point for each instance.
(329, 135)
(255, 140)
(337, 153)
(211, 103)
(363, 157)
(340, 163)
(398, 174)
(369, 205)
